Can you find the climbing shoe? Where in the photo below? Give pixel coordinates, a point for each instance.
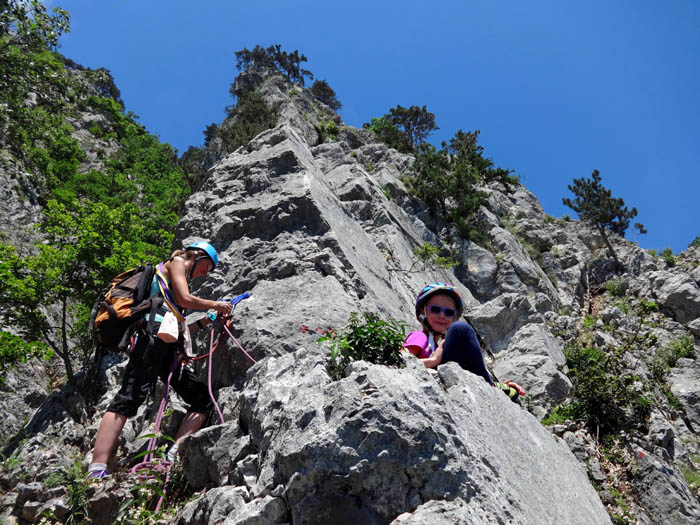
(98, 471)
(99, 474)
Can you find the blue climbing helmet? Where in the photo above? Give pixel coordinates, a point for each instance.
(206, 248)
(436, 289)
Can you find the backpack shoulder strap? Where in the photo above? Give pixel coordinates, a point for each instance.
(167, 297)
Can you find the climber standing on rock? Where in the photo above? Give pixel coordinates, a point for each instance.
(444, 339)
(152, 357)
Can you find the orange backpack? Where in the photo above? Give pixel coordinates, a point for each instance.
(122, 305)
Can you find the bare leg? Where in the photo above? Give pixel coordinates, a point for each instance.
(107, 435)
(191, 423)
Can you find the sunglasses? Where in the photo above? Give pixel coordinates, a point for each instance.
(449, 312)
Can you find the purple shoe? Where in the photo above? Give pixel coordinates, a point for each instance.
(99, 474)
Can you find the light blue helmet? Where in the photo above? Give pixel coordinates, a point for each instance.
(206, 248)
(437, 289)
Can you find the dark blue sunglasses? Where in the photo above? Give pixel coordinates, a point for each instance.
(435, 309)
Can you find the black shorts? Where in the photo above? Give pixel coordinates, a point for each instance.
(144, 369)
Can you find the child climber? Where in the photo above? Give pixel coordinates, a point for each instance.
(444, 339)
(152, 357)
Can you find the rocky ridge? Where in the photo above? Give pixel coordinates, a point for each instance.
(317, 230)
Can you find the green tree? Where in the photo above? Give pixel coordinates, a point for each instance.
(192, 164)
(84, 248)
(252, 116)
(275, 59)
(465, 148)
(29, 64)
(403, 128)
(210, 133)
(388, 133)
(432, 182)
(596, 206)
(448, 181)
(322, 91)
(416, 123)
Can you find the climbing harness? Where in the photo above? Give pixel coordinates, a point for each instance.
(152, 465)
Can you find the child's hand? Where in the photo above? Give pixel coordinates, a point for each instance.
(517, 387)
(438, 352)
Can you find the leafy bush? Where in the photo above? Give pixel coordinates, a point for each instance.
(365, 337)
(614, 287)
(560, 414)
(328, 130)
(448, 181)
(14, 349)
(668, 357)
(73, 478)
(692, 478)
(667, 255)
(604, 394)
(695, 243)
(429, 256)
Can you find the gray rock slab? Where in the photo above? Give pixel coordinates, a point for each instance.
(533, 360)
(384, 441)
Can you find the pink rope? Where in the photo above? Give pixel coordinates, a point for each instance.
(238, 344)
(211, 394)
(162, 465)
(157, 464)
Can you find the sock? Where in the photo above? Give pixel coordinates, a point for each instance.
(97, 466)
(172, 453)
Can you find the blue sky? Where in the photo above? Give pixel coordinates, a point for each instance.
(557, 88)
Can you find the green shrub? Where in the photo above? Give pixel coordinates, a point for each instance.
(430, 257)
(589, 321)
(604, 394)
(667, 357)
(692, 478)
(560, 414)
(614, 287)
(695, 243)
(73, 478)
(365, 337)
(667, 255)
(684, 346)
(328, 130)
(531, 250)
(14, 349)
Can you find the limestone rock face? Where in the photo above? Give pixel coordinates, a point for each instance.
(679, 293)
(369, 453)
